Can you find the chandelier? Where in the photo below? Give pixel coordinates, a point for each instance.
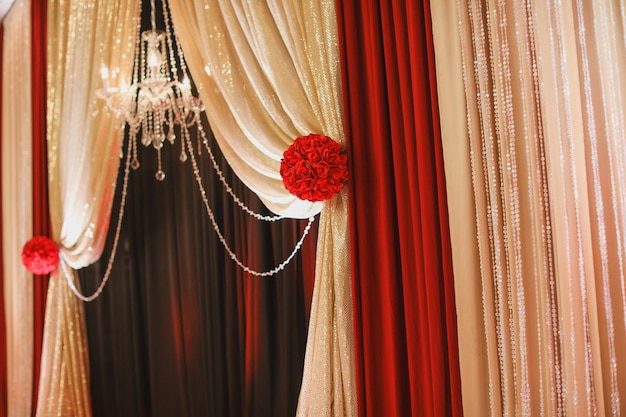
(159, 104)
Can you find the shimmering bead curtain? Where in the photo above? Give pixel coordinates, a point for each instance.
(532, 109)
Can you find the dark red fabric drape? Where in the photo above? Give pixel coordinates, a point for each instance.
(405, 320)
(41, 211)
(3, 334)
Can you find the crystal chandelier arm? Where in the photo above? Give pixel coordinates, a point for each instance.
(170, 31)
(152, 15)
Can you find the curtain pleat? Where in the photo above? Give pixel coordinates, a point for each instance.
(3, 327)
(181, 329)
(41, 212)
(405, 323)
(17, 205)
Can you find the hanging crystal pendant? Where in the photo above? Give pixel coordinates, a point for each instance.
(159, 101)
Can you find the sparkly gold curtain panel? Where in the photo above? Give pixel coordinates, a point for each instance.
(268, 72)
(83, 149)
(17, 205)
(533, 124)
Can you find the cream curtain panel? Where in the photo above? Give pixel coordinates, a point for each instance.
(268, 72)
(17, 205)
(83, 149)
(533, 123)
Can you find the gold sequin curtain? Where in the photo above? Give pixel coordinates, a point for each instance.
(267, 73)
(83, 149)
(533, 126)
(17, 207)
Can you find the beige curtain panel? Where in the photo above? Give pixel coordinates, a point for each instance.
(533, 123)
(268, 72)
(17, 206)
(83, 158)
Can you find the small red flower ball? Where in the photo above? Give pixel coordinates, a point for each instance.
(314, 167)
(40, 255)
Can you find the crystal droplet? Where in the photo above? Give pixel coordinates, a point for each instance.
(183, 156)
(121, 154)
(160, 175)
(134, 164)
(171, 137)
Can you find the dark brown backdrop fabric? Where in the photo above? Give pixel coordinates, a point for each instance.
(180, 330)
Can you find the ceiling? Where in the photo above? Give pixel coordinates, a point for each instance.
(5, 5)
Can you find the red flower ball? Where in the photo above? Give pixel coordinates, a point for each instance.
(40, 255)
(314, 167)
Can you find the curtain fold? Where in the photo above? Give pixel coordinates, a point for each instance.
(41, 212)
(533, 141)
(17, 205)
(267, 73)
(405, 322)
(83, 148)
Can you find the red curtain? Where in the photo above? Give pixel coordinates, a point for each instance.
(41, 212)
(3, 334)
(405, 321)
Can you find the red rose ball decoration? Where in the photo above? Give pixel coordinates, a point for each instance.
(40, 255)
(314, 167)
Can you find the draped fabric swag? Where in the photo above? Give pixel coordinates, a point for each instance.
(17, 206)
(83, 148)
(258, 100)
(405, 323)
(533, 121)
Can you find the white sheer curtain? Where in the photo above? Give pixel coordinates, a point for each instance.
(83, 149)
(267, 72)
(533, 125)
(17, 206)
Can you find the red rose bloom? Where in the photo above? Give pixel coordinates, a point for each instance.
(314, 167)
(40, 255)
